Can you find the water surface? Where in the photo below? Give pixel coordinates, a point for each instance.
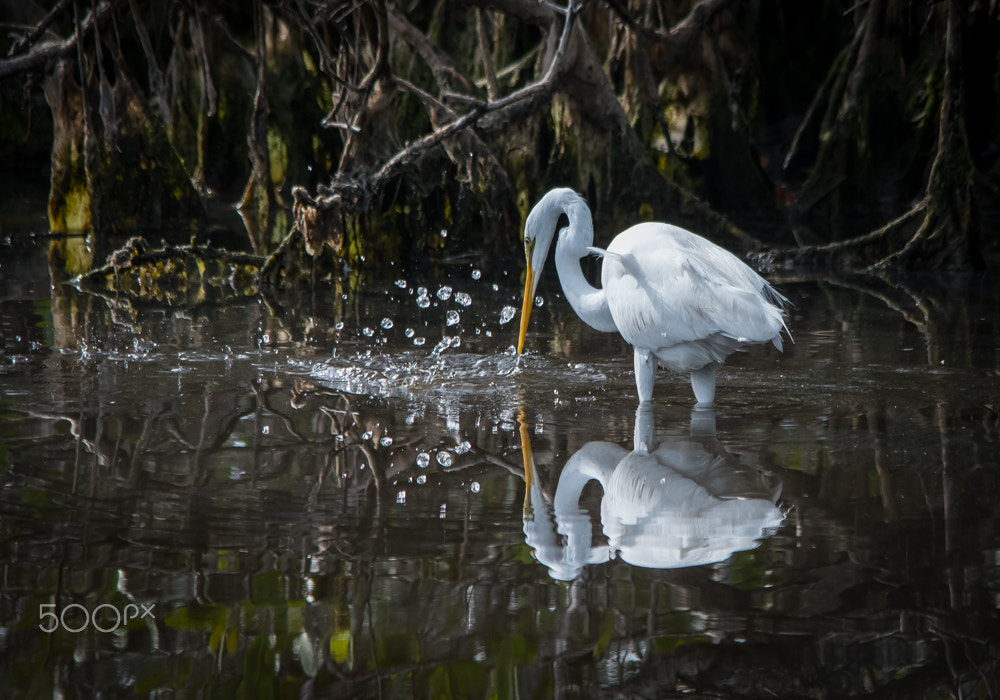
(359, 493)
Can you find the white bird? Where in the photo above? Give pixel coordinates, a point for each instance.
(665, 505)
(680, 300)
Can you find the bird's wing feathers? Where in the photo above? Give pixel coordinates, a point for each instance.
(667, 286)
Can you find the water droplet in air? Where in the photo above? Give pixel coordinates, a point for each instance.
(444, 233)
(387, 323)
(367, 435)
(423, 301)
(386, 441)
(452, 318)
(462, 448)
(401, 498)
(443, 345)
(476, 274)
(444, 294)
(539, 301)
(419, 341)
(463, 299)
(474, 487)
(401, 284)
(338, 326)
(422, 479)
(507, 314)
(423, 459)
(368, 332)
(444, 458)
(408, 332)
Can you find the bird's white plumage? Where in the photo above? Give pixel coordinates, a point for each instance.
(685, 299)
(676, 297)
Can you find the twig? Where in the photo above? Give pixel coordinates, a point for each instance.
(382, 53)
(31, 36)
(492, 84)
(517, 65)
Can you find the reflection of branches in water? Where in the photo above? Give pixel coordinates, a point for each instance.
(940, 310)
(357, 446)
(937, 307)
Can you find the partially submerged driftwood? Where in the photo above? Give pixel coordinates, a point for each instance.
(175, 276)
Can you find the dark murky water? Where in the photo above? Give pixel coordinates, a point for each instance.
(358, 495)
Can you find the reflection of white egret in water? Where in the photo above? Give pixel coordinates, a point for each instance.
(682, 502)
(677, 298)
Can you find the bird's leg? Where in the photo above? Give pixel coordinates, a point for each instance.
(703, 421)
(703, 383)
(645, 374)
(644, 439)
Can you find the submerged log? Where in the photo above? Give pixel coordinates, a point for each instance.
(174, 276)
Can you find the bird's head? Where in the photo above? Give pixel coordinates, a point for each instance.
(539, 231)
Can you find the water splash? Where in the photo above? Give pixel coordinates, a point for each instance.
(507, 314)
(446, 342)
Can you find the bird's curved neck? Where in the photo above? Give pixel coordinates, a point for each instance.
(589, 302)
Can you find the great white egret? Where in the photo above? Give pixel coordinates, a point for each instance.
(677, 298)
(666, 504)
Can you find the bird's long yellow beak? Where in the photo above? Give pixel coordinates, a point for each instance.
(529, 288)
(529, 461)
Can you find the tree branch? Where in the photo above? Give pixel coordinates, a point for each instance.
(48, 53)
(542, 89)
(35, 33)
